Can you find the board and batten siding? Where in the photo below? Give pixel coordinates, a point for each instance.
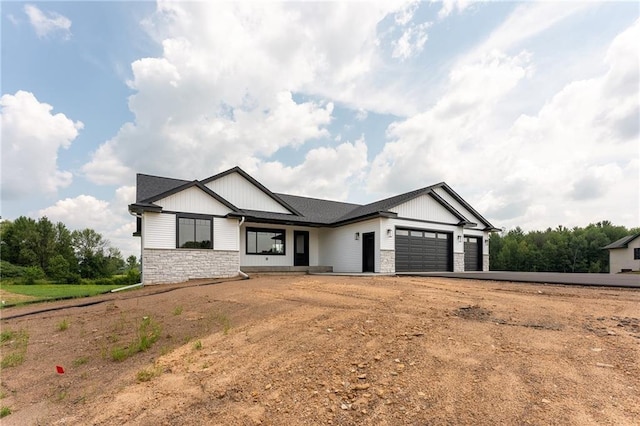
(456, 205)
(340, 249)
(244, 195)
(278, 260)
(193, 200)
(425, 208)
(159, 230)
(225, 234)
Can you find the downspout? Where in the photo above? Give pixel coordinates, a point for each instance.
(139, 216)
(242, 274)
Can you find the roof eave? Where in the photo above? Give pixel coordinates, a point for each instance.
(144, 207)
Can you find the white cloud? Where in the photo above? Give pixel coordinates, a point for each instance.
(572, 161)
(31, 139)
(109, 218)
(450, 6)
(325, 173)
(48, 23)
(223, 91)
(411, 42)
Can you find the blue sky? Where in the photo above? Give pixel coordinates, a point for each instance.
(529, 110)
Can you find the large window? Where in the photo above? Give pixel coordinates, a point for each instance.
(194, 232)
(265, 241)
(636, 253)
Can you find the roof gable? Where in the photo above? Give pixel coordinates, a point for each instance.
(241, 189)
(186, 186)
(622, 242)
(148, 186)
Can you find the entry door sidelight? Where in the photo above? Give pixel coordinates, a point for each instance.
(368, 251)
(300, 248)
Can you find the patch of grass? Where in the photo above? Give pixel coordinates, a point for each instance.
(4, 412)
(42, 292)
(147, 334)
(147, 374)
(222, 319)
(14, 347)
(80, 361)
(197, 345)
(7, 335)
(12, 359)
(63, 325)
(177, 310)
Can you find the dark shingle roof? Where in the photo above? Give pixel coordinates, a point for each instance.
(622, 242)
(310, 211)
(319, 211)
(147, 186)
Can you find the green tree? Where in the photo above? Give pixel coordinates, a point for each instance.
(90, 247)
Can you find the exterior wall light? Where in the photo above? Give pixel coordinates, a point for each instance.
(389, 232)
(459, 238)
(357, 236)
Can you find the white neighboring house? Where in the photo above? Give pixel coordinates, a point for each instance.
(230, 222)
(624, 254)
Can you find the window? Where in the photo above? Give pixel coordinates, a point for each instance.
(265, 241)
(194, 232)
(636, 253)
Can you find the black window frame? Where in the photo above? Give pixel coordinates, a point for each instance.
(636, 253)
(193, 216)
(272, 230)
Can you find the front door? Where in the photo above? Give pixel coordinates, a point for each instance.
(368, 251)
(300, 248)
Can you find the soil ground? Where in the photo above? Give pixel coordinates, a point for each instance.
(301, 350)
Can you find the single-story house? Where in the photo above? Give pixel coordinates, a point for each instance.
(230, 222)
(624, 254)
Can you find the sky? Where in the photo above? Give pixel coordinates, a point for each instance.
(530, 111)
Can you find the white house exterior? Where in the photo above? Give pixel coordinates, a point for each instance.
(230, 222)
(624, 254)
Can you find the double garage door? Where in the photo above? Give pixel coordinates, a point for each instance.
(425, 251)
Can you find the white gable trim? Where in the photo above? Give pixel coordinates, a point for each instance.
(193, 200)
(425, 208)
(458, 206)
(244, 194)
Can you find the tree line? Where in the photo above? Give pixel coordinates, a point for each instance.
(51, 250)
(555, 250)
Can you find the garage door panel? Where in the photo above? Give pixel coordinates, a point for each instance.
(418, 251)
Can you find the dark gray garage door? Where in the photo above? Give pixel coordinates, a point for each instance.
(472, 254)
(423, 251)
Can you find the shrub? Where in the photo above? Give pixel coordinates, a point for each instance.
(9, 270)
(73, 278)
(58, 268)
(32, 274)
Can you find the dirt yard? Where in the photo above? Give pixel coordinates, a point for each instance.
(303, 350)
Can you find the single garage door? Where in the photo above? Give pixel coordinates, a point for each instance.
(423, 251)
(472, 254)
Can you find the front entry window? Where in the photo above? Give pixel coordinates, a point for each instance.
(265, 241)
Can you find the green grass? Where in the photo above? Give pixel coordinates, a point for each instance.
(63, 325)
(197, 345)
(4, 412)
(80, 361)
(177, 310)
(14, 347)
(148, 374)
(43, 292)
(148, 333)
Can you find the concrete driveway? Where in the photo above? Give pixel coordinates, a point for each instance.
(605, 280)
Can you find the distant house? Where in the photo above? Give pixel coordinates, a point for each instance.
(230, 222)
(624, 254)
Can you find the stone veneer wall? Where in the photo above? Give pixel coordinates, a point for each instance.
(387, 261)
(174, 266)
(458, 262)
(485, 262)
